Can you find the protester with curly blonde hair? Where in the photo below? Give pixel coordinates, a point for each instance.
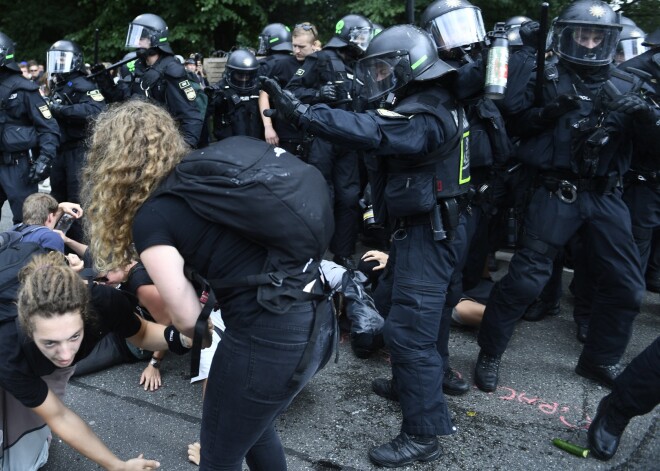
(251, 381)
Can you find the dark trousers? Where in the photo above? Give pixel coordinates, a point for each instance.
(422, 269)
(340, 168)
(14, 187)
(617, 279)
(249, 386)
(65, 181)
(637, 389)
(643, 201)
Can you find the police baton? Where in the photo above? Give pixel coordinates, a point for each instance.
(140, 53)
(540, 54)
(96, 46)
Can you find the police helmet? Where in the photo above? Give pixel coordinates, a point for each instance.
(6, 50)
(631, 41)
(274, 37)
(64, 57)
(241, 70)
(453, 24)
(652, 40)
(148, 31)
(354, 31)
(586, 33)
(396, 57)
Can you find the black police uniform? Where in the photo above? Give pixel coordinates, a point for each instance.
(236, 113)
(27, 130)
(410, 137)
(77, 101)
(281, 66)
(578, 187)
(337, 163)
(166, 82)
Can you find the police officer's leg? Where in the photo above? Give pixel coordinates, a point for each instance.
(58, 173)
(346, 181)
(618, 282)
(549, 223)
(422, 272)
(644, 205)
(653, 270)
(547, 304)
(75, 163)
(636, 391)
(13, 179)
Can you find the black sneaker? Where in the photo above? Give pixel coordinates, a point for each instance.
(406, 449)
(603, 374)
(453, 384)
(486, 371)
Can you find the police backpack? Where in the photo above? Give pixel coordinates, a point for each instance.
(14, 255)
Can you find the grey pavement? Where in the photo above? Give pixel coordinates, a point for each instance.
(336, 418)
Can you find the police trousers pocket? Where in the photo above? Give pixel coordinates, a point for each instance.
(19, 138)
(406, 195)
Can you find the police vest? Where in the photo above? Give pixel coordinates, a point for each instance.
(237, 114)
(450, 163)
(72, 92)
(17, 132)
(333, 69)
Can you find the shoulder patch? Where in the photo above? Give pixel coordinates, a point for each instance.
(390, 114)
(95, 95)
(184, 84)
(45, 111)
(300, 72)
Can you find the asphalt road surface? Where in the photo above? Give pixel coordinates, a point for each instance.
(336, 418)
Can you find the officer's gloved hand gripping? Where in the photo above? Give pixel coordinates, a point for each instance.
(632, 104)
(40, 169)
(288, 107)
(558, 107)
(529, 34)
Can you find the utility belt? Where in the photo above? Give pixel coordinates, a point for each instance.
(11, 158)
(651, 179)
(443, 218)
(567, 185)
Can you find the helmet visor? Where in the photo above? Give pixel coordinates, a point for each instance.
(360, 37)
(59, 62)
(457, 28)
(376, 76)
(138, 36)
(586, 44)
(243, 80)
(629, 48)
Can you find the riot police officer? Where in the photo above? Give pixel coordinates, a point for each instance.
(160, 76)
(275, 44)
(326, 77)
(579, 139)
(29, 134)
(418, 133)
(235, 98)
(74, 102)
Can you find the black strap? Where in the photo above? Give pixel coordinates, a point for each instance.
(539, 246)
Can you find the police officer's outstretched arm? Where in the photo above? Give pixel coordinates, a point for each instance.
(180, 98)
(48, 135)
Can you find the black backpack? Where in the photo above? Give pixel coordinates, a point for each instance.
(270, 197)
(14, 255)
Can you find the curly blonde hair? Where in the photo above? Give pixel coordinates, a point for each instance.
(49, 288)
(133, 147)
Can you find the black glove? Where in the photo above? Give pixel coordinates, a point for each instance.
(327, 93)
(529, 34)
(559, 106)
(286, 104)
(55, 107)
(631, 104)
(40, 169)
(102, 77)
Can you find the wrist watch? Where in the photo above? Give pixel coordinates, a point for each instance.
(155, 362)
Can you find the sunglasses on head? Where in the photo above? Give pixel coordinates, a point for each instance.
(307, 27)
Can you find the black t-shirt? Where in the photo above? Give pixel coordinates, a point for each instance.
(23, 364)
(210, 248)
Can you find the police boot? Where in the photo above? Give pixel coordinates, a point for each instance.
(406, 449)
(486, 371)
(606, 429)
(453, 384)
(384, 388)
(603, 374)
(539, 309)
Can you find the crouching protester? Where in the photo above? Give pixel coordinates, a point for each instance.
(59, 321)
(273, 344)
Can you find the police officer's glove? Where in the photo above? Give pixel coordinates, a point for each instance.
(632, 104)
(529, 33)
(558, 107)
(55, 107)
(40, 169)
(326, 94)
(102, 77)
(286, 104)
